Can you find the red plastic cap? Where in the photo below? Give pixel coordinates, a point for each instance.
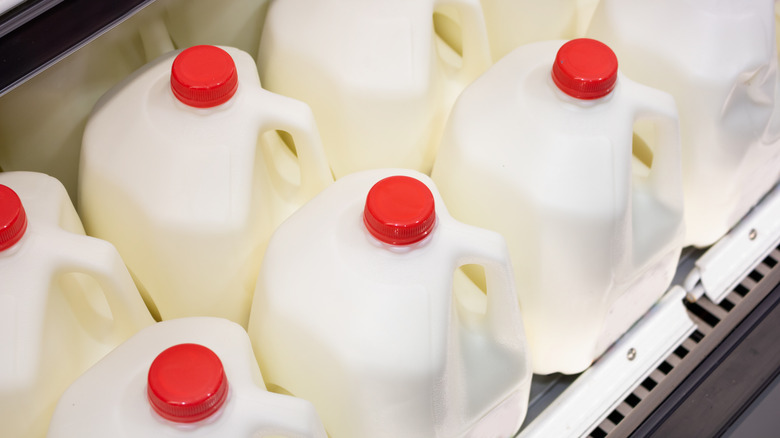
(187, 383)
(204, 76)
(399, 210)
(585, 69)
(13, 219)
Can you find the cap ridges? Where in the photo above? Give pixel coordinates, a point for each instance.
(399, 210)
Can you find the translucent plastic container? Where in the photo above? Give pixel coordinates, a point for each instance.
(183, 169)
(65, 300)
(193, 377)
(236, 24)
(593, 220)
(719, 61)
(355, 310)
(379, 79)
(512, 23)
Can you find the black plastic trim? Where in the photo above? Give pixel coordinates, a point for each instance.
(54, 31)
(24, 13)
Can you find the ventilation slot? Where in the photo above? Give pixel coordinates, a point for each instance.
(707, 315)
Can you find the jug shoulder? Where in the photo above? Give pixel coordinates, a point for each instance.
(121, 405)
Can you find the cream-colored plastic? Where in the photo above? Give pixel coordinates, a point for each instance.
(374, 335)
(512, 23)
(379, 80)
(110, 399)
(65, 301)
(190, 196)
(594, 234)
(237, 23)
(718, 60)
(777, 26)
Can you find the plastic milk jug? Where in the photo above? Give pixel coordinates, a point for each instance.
(355, 311)
(594, 230)
(184, 171)
(379, 79)
(227, 23)
(719, 61)
(512, 23)
(777, 28)
(194, 377)
(65, 300)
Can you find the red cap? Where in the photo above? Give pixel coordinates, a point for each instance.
(187, 383)
(13, 219)
(204, 76)
(399, 210)
(585, 69)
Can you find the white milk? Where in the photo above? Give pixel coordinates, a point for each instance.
(190, 194)
(65, 300)
(512, 23)
(719, 61)
(379, 79)
(594, 233)
(234, 23)
(372, 333)
(193, 377)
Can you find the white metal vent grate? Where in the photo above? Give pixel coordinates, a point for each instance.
(707, 316)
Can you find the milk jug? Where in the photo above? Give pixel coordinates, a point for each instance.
(719, 61)
(194, 377)
(65, 300)
(183, 170)
(236, 23)
(355, 311)
(594, 230)
(378, 78)
(512, 23)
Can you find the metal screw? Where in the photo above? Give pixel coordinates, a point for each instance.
(631, 354)
(753, 234)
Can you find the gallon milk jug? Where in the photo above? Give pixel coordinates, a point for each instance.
(512, 23)
(65, 300)
(594, 231)
(379, 79)
(183, 170)
(718, 60)
(193, 377)
(355, 311)
(236, 23)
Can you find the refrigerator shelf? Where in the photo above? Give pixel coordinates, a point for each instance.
(621, 391)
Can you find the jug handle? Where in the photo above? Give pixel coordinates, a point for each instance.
(296, 117)
(290, 417)
(665, 175)
(476, 47)
(100, 260)
(489, 249)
